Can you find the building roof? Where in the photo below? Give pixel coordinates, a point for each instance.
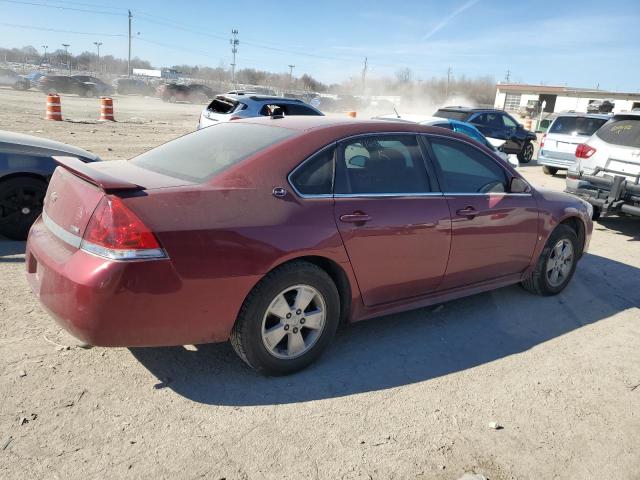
(564, 91)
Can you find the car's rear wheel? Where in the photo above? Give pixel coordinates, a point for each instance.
(549, 170)
(287, 320)
(526, 154)
(556, 264)
(21, 201)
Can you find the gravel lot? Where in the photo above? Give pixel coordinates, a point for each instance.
(405, 396)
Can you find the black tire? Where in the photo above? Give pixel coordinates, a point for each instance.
(246, 336)
(21, 85)
(597, 211)
(538, 282)
(21, 200)
(549, 170)
(526, 154)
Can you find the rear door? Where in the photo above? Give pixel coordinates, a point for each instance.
(394, 223)
(493, 232)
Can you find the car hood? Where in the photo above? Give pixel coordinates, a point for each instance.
(19, 143)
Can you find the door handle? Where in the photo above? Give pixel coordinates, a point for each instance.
(356, 217)
(468, 212)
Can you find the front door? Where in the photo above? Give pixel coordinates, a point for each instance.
(494, 232)
(395, 227)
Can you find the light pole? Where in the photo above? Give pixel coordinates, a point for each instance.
(234, 50)
(97, 44)
(66, 51)
(291, 75)
(45, 52)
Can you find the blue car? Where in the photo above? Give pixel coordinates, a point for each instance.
(26, 165)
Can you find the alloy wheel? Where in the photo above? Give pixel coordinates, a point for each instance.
(559, 263)
(294, 321)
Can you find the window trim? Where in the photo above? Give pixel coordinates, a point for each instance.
(508, 174)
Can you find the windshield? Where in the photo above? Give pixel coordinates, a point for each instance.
(576, 125)
(623, 131)
(454, 114)
(223, 105)
(198, 156)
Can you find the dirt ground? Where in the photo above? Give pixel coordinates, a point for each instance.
(408, 396)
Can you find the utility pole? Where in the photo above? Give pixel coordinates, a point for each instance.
(364, 75)
(129, 60)
(291, 74)
(234, 49)
(446, 94)
(97, 44)
(507, 77)
(45, 52)
(66, 50)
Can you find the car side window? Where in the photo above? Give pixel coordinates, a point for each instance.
(508, 122)
(465, 169)
(315, 175)
(267, 110)
(294, 109)
(381, 164)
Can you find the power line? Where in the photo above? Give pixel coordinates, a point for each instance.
(57, 30)
(60, 7)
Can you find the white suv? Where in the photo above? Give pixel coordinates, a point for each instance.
(606, 172)
(566, 132)
(234, 106)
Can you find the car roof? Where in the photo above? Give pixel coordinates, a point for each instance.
(602, 116)
(19, 143)
(459, 108)
(412, 117)
(259, 98)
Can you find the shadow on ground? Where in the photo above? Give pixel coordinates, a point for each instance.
(402, 349)
(626, 225)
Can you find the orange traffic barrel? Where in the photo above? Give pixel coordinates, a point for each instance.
(351, 114)
(54, 108)
(106, 109)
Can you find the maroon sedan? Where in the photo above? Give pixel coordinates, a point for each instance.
(270, 232)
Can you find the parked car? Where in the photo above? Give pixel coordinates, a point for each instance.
(100, 87)
(606, 172)
(34, 77)
(461, 127)
(26, 165)
(228, 107)
(601, 106)
(132, 86)
(566, 132)
(195, 93)
(496, 124)
(9, 78)
(65, 84)
(272, 231)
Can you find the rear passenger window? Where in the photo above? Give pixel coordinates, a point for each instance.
(465, 169)
(391, 164)
(315, 176)
(294, 109)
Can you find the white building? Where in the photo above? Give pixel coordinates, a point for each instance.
(512, 96)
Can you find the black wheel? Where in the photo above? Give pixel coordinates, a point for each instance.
(287, 320)
(549, 170)
(556, 264)
(21, 202)
(21, 85)
(597, 211)
(526, 154)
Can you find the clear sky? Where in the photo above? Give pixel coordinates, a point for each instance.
(579, 43)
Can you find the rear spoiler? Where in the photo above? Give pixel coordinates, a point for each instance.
(94, 176)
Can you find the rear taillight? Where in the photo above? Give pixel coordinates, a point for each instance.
(117, 233)
(584, 151)
(544, 137)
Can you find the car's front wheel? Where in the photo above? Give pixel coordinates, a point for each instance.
(526, 154)
(287, 320)
(556, 264)
(21, 200)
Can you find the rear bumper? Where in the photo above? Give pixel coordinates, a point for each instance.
(554, 162)
(127, 304)
(609, 193)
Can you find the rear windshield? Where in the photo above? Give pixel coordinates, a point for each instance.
(623, 131)
(200, 155)
(223, 105)
(576, 125)
(455, 115)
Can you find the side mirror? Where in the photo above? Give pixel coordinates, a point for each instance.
(518, 185)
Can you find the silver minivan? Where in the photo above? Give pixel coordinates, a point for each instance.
(568, 130)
